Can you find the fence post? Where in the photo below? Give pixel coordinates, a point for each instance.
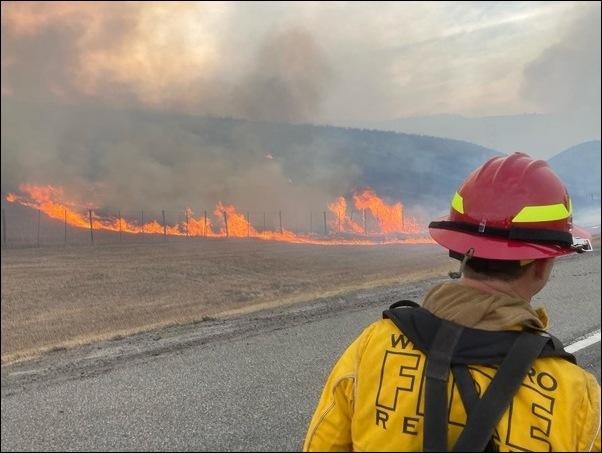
(226, 223)
(4, 226)
(364, 216)
(91, 227)
(280, 220)
(325, 228)
(402, 225)
(38, 235)
(164, 226)
(186, 212)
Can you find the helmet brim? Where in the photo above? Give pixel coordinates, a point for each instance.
(495, 248)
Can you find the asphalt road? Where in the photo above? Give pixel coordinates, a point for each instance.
(255, 390)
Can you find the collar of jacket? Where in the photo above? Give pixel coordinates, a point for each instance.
(471, 307)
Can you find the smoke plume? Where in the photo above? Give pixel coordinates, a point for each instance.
(565, 78)
(80, 82)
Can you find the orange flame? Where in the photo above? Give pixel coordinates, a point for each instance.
(234, 223)
(343, 223)
(198, 227)
(45, 199)
(390, 219)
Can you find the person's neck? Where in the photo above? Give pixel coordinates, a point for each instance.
(497, 287)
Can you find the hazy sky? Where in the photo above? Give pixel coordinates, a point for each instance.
(332, 62)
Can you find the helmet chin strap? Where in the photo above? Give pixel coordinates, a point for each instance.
(467, 256)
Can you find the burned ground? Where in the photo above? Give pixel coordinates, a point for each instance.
(59, 297)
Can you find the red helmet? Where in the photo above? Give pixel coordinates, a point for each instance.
(510, 208)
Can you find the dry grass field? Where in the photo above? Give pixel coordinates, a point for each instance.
(59, 297)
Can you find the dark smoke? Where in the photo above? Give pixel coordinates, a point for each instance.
(89, 133)
(289, 80)
(566, 76)
(134, 160)
(44, 64)
(92, 53)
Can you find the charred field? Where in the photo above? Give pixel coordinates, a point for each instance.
(61, 297)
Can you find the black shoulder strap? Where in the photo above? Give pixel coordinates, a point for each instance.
(469, 396)
(446, 345)
(404, 303)
(475, 347)
(438, 362)
(486, 413)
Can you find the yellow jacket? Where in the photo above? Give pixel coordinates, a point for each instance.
(373, 399)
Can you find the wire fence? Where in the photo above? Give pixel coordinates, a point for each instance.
(28, 227)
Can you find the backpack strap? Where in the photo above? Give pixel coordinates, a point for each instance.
(486, 413)
(446, 345)
(469, 396)
(404, 303)
(438, 363)
(475, 347)
(466, 387)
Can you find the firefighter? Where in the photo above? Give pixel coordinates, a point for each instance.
(473, 368)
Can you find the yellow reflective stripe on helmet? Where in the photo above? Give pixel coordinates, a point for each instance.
(543, 213)
(458, 203)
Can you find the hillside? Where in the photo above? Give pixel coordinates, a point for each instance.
(579, 168)
(539, 135)
(135, 159)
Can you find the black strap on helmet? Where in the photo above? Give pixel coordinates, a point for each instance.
(562, 238)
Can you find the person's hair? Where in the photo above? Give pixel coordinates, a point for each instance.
(483, 269)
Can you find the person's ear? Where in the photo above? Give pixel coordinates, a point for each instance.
(543, 267)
